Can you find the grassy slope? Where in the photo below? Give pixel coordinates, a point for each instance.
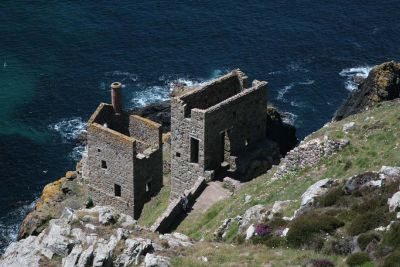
(219, 254)
(157, 205)
(374, 142)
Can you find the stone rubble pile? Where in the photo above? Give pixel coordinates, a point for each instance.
(307, 154)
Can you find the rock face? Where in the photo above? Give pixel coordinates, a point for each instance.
(65, 192)
(382, 84)
(282, 133)
(67, 242)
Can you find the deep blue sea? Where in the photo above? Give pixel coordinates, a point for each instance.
(57, 59)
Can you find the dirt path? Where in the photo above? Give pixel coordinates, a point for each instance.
(213, 193)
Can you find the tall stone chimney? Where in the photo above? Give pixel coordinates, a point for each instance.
(116, 97)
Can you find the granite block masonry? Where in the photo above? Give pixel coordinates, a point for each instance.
(123, 167)
(212, 126)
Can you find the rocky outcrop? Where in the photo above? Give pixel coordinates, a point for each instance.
(382, 84)
(111, 240)
(65, 192)
(159, 112)
(282, 133)
(307, 154)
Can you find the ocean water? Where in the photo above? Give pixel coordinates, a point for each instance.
(57, 59)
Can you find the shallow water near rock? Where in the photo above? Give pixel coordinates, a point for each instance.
(57, 60)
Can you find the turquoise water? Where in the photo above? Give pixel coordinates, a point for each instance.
(57, 59)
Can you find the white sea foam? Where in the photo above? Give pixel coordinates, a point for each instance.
(308, 82)
(149, 93)
(77, 152)
(288, 117)
(69, 129)
(283, 91)
(350, 73)
(9, 228)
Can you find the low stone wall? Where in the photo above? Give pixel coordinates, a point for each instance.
(174, 210)
(308, 153)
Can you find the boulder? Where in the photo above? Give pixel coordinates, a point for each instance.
(382, 84)
(57, 239)
(103, 252)
(354, 183)
(152, 260)
(348, 126)
(134, 248)
(71, 175)
(126, 221)
(394, 202)
(22, 253)
(389, 174)
(86, 257)
(256, 214)
(174, 241)
(107, 214)
(231, 184)
(72, 259)
(250, 231)
(317, 189)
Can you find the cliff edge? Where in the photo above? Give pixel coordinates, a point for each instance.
(382, 84)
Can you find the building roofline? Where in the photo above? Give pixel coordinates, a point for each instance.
(235, 72)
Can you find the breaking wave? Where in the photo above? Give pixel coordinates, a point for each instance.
(8, 226)
(288, 117)
(350, 74)
(69, 129)
(283, 91)
(149, 93)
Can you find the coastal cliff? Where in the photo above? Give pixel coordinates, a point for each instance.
(382, 84)
(333, 200)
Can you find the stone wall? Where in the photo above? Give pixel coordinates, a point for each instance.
(242, 118)
(183, 172)
(145, 130)
(148, 180)
(232, 119)
(174, 211)
(110, 162)
(213, 93)
(124, 160)
(308, 153)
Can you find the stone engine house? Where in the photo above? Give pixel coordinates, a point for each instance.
(212, 125)
(124, 157)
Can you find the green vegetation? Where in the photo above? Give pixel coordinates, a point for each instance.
(366, 238)
(155, 207)
(392, 237)
(220, 254)
(393, 260)
(358, 259)
(303, 229)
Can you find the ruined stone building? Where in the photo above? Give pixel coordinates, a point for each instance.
(124, 157)
(212, 126)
